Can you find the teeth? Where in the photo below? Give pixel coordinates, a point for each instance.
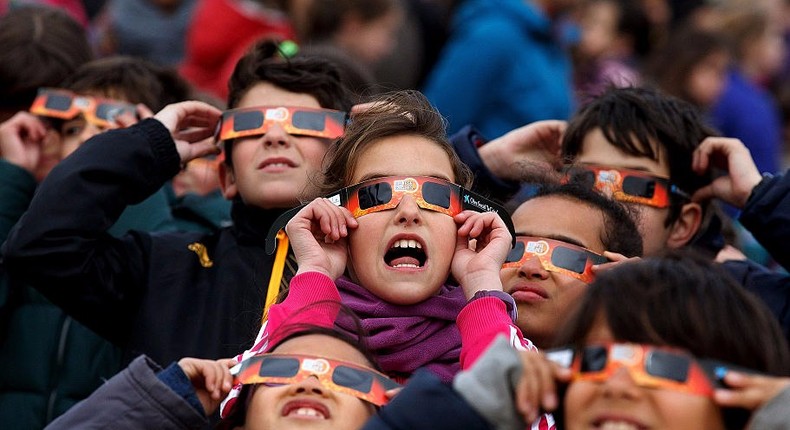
(406, 243)
(405, 265)
(278, 165)
(617, 425)
(307, 412)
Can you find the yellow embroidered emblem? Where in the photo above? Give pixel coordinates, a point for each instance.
(202, 253)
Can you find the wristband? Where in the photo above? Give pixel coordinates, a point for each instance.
(510, 303)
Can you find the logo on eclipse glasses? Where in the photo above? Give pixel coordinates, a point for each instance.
(540, 247)
(480, 205)
(408, 185)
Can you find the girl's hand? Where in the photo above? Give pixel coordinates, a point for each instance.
(615, 259)
(192, 125)
(318, 234)
(749, 391)
(21, 140)
(476, 265)
(536, 391)
(210, 378)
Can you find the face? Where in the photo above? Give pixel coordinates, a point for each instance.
(544, 298)
(768, 51)
(373, 40)
(618, 403)
(596, 149)
(273, 170)
(75, 132)
(402, 280)
(706, 80)
(599, 28)
(307, 404)
(199, 177)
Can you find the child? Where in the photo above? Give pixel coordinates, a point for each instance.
(388, 254)
(76, 359)
(185, 393)
(562, 233)
(635, 366)
(172, 295)
(692, 65)
(615, 37)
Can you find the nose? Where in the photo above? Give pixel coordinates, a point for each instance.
(408, 212)
(621, 384)
(310, 385)
(533, 269)
(276, 136)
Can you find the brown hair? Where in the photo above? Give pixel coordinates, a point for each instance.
(397, 113)
(41, 47)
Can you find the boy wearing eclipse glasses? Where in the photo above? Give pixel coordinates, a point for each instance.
(654, 153)
(171, 295)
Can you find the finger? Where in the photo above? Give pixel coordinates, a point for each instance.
(523, 403)
(143, 112)
(209, 379)
(703, 194)
(335, 218)
(389, 394)
(548, 399)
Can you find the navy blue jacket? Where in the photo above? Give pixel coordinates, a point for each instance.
(168, 295)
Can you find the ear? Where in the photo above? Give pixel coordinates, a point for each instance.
(686, 226)
(227, 181)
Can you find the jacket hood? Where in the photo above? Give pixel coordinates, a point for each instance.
(526, 14)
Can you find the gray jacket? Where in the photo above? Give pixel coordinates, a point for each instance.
(133, 399)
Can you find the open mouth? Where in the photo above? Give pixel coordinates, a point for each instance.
(405, 253)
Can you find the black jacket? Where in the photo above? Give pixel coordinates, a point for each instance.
(152, 293)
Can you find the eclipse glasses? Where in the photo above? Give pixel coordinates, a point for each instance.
(386, 193)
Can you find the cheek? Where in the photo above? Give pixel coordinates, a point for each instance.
(577, 399)
(679, 410)
(313, 151)
(260, 408)
(354, 412)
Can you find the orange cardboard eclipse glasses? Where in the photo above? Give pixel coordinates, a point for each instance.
(66, 105)
(334, 375)
(631, 186)
(298, 121)
(555, 256)
(649, 366)
(381, 194)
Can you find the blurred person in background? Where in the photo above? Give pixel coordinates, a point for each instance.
(504, 65)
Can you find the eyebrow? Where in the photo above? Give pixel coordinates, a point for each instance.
(560, 237)
(627, 167)
(374, 175)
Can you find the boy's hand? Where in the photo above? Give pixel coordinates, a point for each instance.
(730, 155)
(21, 140)
(615, 259)
(477, 267)
(192, 125)
(749, 391)
(210, 378)
(537, 389)
(127, 119)
(319, 237)
(538, 142)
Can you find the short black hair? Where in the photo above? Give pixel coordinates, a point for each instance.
(132, 79)
(313, 75)
(631, 118)
(621, 234)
